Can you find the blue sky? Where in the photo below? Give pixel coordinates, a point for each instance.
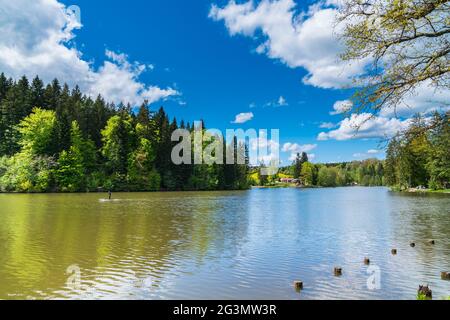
(213, 60)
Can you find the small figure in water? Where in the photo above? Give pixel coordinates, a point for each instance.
(110, 194)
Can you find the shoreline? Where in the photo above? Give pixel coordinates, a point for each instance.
(421, 191)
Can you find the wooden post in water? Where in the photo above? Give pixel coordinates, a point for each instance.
(394, 251)
(338, 272)
(298, 285)
(366, 261)
(445, 275)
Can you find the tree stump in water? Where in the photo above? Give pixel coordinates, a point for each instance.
(412, 244)
(394, 251)
(366, 261)
(338, 271)
(298, 285)
(432, 242)
(445, 275)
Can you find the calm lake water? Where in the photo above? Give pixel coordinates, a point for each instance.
(223, 245)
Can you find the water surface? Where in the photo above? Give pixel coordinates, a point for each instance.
(223, 245)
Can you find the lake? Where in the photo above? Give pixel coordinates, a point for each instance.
(223, 245)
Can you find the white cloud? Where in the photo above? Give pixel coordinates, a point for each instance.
(299, 39)
(373, 151)
(365, 126)
(243, 117)
(424, 99)
(37, 39)
(341, 107)
(282, 101)
(296, 148)
(327, 125)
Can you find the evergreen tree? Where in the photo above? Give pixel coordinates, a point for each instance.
(37, 93)
(298, 163)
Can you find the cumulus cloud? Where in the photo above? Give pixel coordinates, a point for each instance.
(243, 117)
(365, 126)
(37, 39)
(341, 107)
(373, 151)
(299, 39)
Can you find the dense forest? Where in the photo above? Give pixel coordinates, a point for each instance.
(365, 173)
(56, 139)
(420, 157)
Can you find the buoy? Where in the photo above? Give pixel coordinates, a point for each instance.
(366, 261)
(412, 244)
(337, 272)
(431, 242)
(445, 275)
(394, 251)
(425, 291)
(298, 285)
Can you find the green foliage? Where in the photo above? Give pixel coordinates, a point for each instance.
(24, 172)
(70, 172)
(420, 157)
(327, 177)
(365, 173)
(117, 138)
(422, 297)
(37, 132)
(31, 169)
(141, 174)
(407, 42)
(71, 143)
(75, 163)
(298, 163)
(438, 161)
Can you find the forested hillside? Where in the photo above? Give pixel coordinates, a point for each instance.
(54, 138)
(364, 173)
